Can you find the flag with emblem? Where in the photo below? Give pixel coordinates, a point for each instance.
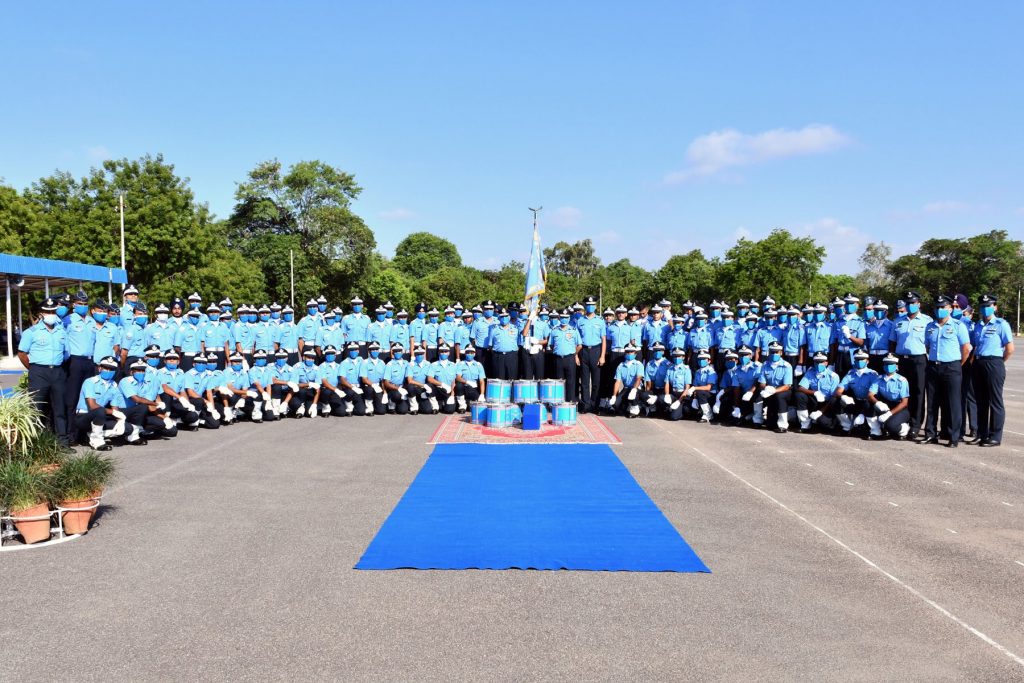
(536, 273)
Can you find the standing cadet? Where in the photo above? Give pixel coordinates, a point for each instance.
(816, 395)
(698, 337)
(355, 324)
(848, 335)
(592, 337)
(394, 381)
(481, 334)
(430, 332)
(462, 334)
(399, 333)
(448, 329)
(993, 346)
(653, 330)
(80, 329)
(321, 306)
(380, 331)
(677, 383)
(330, 333)
(108, 335)
(962, 311)
(878, 330)
(890, 395)
(308, 327)
(441, 377)
(564, 342)
(794, 339)
(504, 347)
(286, 338)
(160, 332)
(133, 335)
(818, 332)
(628, 382)
(275, 312)
(726, 335)
(243, 334)
(389, 313)
(775, 383)
(349, 381)
(618, 334)
(195, 302)
(41, 350)
(188, 339)
(948, 348)
(216, 339)
(371, 374)
(264, 331)
(470, 379)
(416, 327)
(907, 341)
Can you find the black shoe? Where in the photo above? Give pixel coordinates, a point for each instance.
(952, 444)
(780, 430)
(972, 438)
(104, 447)
(989, 443)
(140, 442)
(929, 440)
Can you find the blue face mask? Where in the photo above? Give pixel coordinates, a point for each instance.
(730, 364)
(751, 324)
(171, 366)
(958, 313)
(589, 308)
(851, 308)
(630, 356)
(321, 307)
(389, 314)
(701, 322)
(403, 321)
(141, 321)
(214, 317)
(678, 360)
(116, 319)
(308, 363)
(744, 360)
(775, 357)
(288, 317)
(99, 317)
(419, 357)
(769, 322)
(819, 317)
(62, 311)
(237, 367)
(275, 315)
(442, 356)
(194, 306)
(988, 311)
(329, 357)
(861, 364)
(225, 309)
(659, 354)
(280, 362)
(783, 318)
(503, 319)
(889, 368)
(727, 322)
(941, 313)
(199, 367)
(139, 376)
(397, 355)
(81, 310)
(913, 308)
(755, 310)
(470, 357)
(544, 316)
(741, 311)
(357, 308)
(422, 315)
(311, 310)
(353, 354)
(265, 317)
(153, 362)
(106, 375)
(716, 314)
(260, 362)
(374, 354)
(381, 316)
(449, 318)
(821, 367)
(331, 320)
(488, 313)
(702, 363)
(433, 319)
(476, 316)
(192, 319)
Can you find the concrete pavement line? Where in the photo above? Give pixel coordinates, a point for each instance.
(176, 464)
(910, 589)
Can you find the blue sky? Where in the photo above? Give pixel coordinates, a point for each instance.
(653, 128)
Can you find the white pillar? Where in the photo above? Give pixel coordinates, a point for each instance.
(10, 323)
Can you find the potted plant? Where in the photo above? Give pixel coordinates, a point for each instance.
(23, 492)
(45, 453)
(77, 485)
(20, 423)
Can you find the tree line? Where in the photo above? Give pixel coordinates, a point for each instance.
(175, 245)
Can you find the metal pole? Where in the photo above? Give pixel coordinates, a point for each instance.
(291, 259)
(10, 323)
(120, 198)
(46, 286)
(1018, 309)
(19, 312)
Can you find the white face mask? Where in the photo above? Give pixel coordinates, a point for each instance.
(50, 319)
(161, 316)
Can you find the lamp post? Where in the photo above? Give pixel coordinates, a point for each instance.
(120, 211)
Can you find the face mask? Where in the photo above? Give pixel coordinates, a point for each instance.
(545, 316)
(288, 317)
(783, 318)
(329, 357)
(173, 365)
(213, 317)
(153, 362)
(225, 309)
(331, 320)
(261, 362)
(942, 313)
(821, 367)
(442, 356)
(769, 322)
(503, 319)
(819, 317)
(107, 375)
(353, 354)
(913, 308)
(357, 308)
(590, 309)
(678, 360)
(488, 314)
(99, 317)
(321, 307)
(470, 357)
(678, 326)
(397, 355)
(419, 357)
(702, 363)
(851, 308)
(861, 364)
(115, 319)
(433, 319)
(193, 319)
(161, 316)
(730, 364)
(403, 321)
(308, 363)
(141, 321)
(659, 354)
(199, 367)
(890, 368)
(741, 311)
(630, 356)
(755, 310)
(750, 324)
(775, 357)
(988, 311)
(311, 310)
(880, 315)
(701, 323)
(275, 315)
(727, 322)
(449, 318)
(81, 310)
(957, 313)
(716, 314)
(381, 316)
(264, 317)
(280, 362)
(421, 315)
(62, 311)
(389, 314)
(744, 360)
(374, 354)
(194, 307)
(139, 376)
(476, 316)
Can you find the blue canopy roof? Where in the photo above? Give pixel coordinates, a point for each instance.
(37, 268)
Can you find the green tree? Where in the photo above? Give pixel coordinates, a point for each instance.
(619, 282)
(422, 253)
(388, 284)
(684, 276)
(576, 260)
(780, 264)
(825, 286)
(17, 218)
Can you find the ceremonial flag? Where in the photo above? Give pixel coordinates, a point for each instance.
(536, 275)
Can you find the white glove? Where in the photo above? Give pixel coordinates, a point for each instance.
(427, 390)
(214, 414)
(184, 403)
(666, 398)
(720, 394)
(240, 403)
(688, 391)
(160, 405)
(251, 393)
(339, 392)
(819, 397)
(403, 393)
(799, 370)
(848, 400)
(736, 413)
(451, 400)
(535, 348)
(846, 331)
(168, 423)
(767, 392)
(357, 391)
(749, 395)
(615, 399)
(266, 396)
(881, 407)
(378, 389)
(118, 414)
(312, 410)
(884, 416)
(652, 399)
(674, 405)
(224, 391)
(293, 386)
(632, 394)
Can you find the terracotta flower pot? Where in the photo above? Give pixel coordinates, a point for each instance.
(77, 515)
(95, 496)
(49, 468)
(33, 530)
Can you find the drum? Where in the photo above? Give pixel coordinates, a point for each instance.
(563, 414)
(499, 415)
(499, 391)
(478, 413)
(552, 390)
(517, 414)
(524, 391)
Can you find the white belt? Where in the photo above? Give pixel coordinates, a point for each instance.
(878, 353)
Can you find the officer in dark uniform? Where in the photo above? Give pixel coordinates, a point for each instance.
(906, 341)
(993, 346)
(948, 347)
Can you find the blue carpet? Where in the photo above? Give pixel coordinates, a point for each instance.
(553, 506)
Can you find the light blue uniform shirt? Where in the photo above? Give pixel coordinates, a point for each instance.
(628, 371)
(540, 329)
(237, 379)
(287, 336)
(991, 338)
(777, 374)
(503, 338)
(175, 379)
(727, 336)
(263, 336)
(212, 379)
(244, 334)
(825, 381)
(746, 376)
(395, 371)
(859, 381)
(261, 375)
(818, 337)
(187, 338)
(679, 377)
(471, 372)
(416, 327)
(653, 331)
(380, 331)
(943, 341)
(618, 334)
(303, 374)
(878, 332)
(766, 335)
(349, 370)
(329, 372)
(330, 336)
(107, 336)
(704, 376)
(699, 338)
(462, 335)
(372, 369)
(161, 334)
(563, 340)
(148, 389)
(443, 371)
(194, 381)
(307, 328)
(655, 372)
(592, 330)
(891, 388)
(793, 337)
(748, 337)
(481, 332)
(856, 326)
(399, 334)
(215, 335)
(100, 390)
(908, 333)
(418, 372)
(81, 335)
(133, 339)
(354, 325)
(677, 339)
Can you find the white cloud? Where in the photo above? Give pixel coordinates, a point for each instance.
(720, 150)
(741, 233)
(397, 214)
(565, 217)
(98, 153)
(945, 206)
(843, 243)
(607, 237)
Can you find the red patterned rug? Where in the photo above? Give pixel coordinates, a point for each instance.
(589, 429)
